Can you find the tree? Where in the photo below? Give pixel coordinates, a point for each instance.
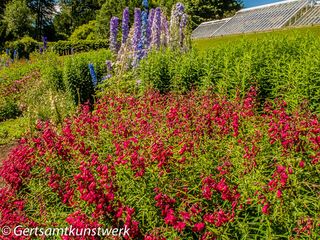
(44, 11)
(63, 23)
(2, 23)
(207, 10)
(81, 11)
(17, 19)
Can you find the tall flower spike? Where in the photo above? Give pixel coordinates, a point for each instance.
(179, 9)
(176, 14)
(149, 27)
(183, 24)
(156, 27)
(137, 38)
(164, 30)
(125, 25)
(137, 29)
(114, 24)
(93, 75)
(144, 26)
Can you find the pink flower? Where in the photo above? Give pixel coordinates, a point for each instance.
(265, 209)
(279, 194)
(179, 226)
(198, 227)
(302, 164)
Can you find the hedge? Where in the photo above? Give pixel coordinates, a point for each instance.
(69, 47)
(24, 47)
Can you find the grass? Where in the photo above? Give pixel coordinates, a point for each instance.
(207, 43)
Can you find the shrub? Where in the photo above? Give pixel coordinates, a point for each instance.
(184, 166)
(76, 74)
(24, 46)
(9, 109)
(84, 32)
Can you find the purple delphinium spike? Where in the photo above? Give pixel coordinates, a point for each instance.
(45, 42)
(114, 23)
(164, 30)
(156, 27)
(41, 50)
(93, 75)
(125, 25)
(109, 70)
(137, 29)
(144, 26)
(109, 65)
(137, 43)
(179, 9)
(149, 27)
(183, 24)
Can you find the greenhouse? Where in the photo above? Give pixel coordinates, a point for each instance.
(263, 18)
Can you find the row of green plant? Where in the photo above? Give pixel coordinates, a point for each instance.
(49, 86)
(285, 67)
(27, 45)
(75, 46)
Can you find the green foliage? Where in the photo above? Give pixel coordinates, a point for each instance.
(24, 46)
(113, 8)
(9, 109)
(79, 11)
(69, 47)
(13, 129)
(76, 75)
(52, 72)
(280, 66)
(63, 23)
(43, 11)
(17, 18)
(84, 32)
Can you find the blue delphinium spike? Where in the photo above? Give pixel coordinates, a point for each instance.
(93, 75)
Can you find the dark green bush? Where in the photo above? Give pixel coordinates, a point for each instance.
(24, 46)
(9, 109)
(69, 47)
(76, 74)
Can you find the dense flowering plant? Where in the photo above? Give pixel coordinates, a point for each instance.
(195, 166)
(150, 31)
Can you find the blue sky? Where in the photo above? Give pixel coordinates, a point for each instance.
(254, 3)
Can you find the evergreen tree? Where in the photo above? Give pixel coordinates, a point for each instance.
(44, 11)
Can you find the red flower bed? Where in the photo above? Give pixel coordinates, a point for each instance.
(170, 167)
